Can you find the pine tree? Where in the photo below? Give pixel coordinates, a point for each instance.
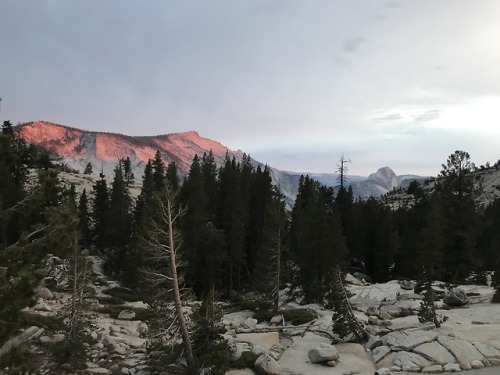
(210, 348)
(84, 218)
(458, 191)
(126, 166)
(172, 176)
(146, 196)
(158, 172)
(203, 243)
(88, 168)
(100, 213)
(344, 321)
(119, 214)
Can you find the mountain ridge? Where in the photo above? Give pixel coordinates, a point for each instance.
(78, 147)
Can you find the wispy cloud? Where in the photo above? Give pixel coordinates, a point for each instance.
(353, 44)
(427, 115)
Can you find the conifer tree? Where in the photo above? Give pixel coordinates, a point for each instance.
(344, 321)
(126, 166)
(88, 168)
(458, 191)
(158, 172)
(210, 348)
(84, 218)
(119, 218)
(203, 243)
(146, 195)
(100, 213)
(172, 176)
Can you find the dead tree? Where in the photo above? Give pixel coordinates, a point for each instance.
(161, 271)
(342, 171)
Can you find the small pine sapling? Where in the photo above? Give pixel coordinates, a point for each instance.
(344, 321)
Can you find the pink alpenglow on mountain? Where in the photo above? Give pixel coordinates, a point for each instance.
(78, 147)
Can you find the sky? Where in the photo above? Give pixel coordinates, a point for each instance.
(295, 84)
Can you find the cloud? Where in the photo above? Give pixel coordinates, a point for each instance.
(352, 45)
(388, 118)
(427, 115)
(393, 4)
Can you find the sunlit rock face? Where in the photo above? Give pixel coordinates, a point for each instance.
(78, 147)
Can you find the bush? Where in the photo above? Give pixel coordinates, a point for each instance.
(70, 352)
(110, 300)
(19, 361)
(124, 294)
(247, 360)
(294, 317)
(496, 296)
(298, 316)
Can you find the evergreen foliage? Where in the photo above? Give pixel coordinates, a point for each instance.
(458, 191)
(344, 322)
(210, 348)
(88, 168)
(317, 243)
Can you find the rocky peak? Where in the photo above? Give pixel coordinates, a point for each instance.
(385, 177)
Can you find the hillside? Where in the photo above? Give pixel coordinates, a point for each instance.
(78, 147)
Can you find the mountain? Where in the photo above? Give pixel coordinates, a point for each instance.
(78, 147)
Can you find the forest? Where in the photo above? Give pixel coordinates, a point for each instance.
(232, 233)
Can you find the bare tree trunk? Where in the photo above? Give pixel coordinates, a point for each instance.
(175, 281)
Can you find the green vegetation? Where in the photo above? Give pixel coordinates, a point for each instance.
(236, 237)
(123, 294)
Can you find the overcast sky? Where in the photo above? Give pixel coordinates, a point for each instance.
(293, 83)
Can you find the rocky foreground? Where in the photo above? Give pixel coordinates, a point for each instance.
(468, 339)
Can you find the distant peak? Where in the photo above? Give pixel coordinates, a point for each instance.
(385, 177)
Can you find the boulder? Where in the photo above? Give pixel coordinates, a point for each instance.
(380, 352)
(452, 367)
(41, 305)
(403, 340)
(248, 324)
(383, 371)
(28, 334)
(476, 364)
(276, 320)
(126, 315)
(456, 297)
(323, 353)
(44, 292)
(406, 284)
(409, 360)
(463, 351)
(237, 348)
(373, 342)
(487, 350)
(265, 365)
(435, 352)
(372, 311)
(433, 369)
(363, 277)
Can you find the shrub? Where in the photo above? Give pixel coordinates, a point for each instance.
(19, 361)
(124, 294)
(247, 360)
